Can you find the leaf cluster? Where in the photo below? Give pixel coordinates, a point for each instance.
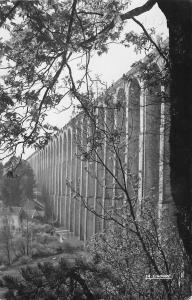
(79, 279)
(45, 38)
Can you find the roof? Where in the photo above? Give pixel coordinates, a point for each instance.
(31, 213)
(38, 203)
(16, 209)
(10, 211)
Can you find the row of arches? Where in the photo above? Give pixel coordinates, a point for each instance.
(85, 166)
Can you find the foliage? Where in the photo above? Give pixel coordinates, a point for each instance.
(39, 250)
(19, 247)
(137, 242)
(71, 246)
(141, 264)
(45, 38)
(45, 199)
(71, 280)
(24, 260)
(50, 35)
(115, 268)
(45, 245)
(17, 183)
(6, 238)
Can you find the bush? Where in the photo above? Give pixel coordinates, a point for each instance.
(122, 252)
(24, 260)
(20, 247)
(67, 280)
(71, 246)
(48, 228)
(39, 250)
(3, 261)
(45, 238)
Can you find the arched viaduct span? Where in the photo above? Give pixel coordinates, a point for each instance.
(75, 184)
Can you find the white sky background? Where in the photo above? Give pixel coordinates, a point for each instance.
(112, 65)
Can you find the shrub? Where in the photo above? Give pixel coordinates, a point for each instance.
(24, 260)
(48, 228)
(3, 260)
(72, 246)
(122, 252)
(39, 250)
(45, 238)
(19, 247)
(66, 280)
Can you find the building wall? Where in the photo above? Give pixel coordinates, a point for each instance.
(77, 186)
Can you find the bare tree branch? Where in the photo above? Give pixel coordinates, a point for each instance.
(138, 10)
(128, 15)
(58, 73)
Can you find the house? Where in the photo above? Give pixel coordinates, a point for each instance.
(33, 209)
(34, 213)
(12, 217)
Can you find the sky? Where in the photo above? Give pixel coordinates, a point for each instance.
(112, 65)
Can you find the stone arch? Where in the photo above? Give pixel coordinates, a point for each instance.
(133, 127)
(120, 108)
(54, 166)
(60, 162)
(83, 184)
(152, 139)
(45, 160)
(99, 201)
(77, 175)
(110, 161)
(35, 163)
(39, 169)
(64, 186)
(51, 167)
(54, 176)
(40, 166)
(44, 164)
(57, 165)
(90, 178)
(72, 178)
(120, 149)
(58, 177)
(46, 167)
(69, 173)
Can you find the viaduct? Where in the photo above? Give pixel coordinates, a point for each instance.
(120, 144)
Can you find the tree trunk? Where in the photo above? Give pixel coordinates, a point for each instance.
(179, 20)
